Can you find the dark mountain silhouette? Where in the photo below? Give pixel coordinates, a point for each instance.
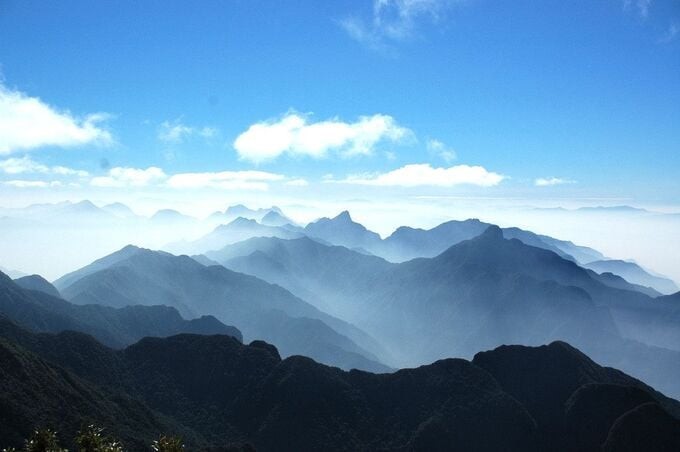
(261, 310)
(635, 274)
(342, 230)
(646, 427)
(567, 394)
(41, 312)
(217, 391)
(37, 393)
(37, 282)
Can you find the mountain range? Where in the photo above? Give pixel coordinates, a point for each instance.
(135, 276)
(40, 311)
(479, 293)
(140, 342)
(219, 392)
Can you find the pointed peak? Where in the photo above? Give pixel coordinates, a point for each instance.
(344, 216)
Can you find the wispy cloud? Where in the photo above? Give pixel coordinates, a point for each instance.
(295, 134)
(297, 183)
(31, 183)
(550, 181)
(129, 177)
(176, 131)
(394, 20)
(423, 174)
(248, 180)
(641, 7)
(230, 180)
(26, 165)
(671, 34)
(441, 150)
(28, 123)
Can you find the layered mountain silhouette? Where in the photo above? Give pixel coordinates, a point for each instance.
(37, 282)
(39, 311)
(635, 274)
(217, 391)
(318, 273)
(478, 294)
(342, 230)
(239, 210)
(134, 276)
(276, 218)
(236, 231)
(407, 243)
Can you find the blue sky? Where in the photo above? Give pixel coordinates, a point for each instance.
(533, 100)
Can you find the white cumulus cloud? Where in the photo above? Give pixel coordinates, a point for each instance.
(423, 174)
(129, 177)
(294, 134)
(27, 123)
(549, 181)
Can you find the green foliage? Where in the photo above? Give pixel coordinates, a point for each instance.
(43, 440)
(91, 439)
(168, 444)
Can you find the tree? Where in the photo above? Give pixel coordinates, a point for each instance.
(43, 440)
(91, 439)
(168, 444)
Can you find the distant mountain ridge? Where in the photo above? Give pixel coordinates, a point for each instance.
(116, 327)
(259, 309)
(635, 274)
(479, 293)
(37, 282)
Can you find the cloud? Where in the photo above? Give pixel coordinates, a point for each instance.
(441, 150)
(176, 131)
(641, 6)
(671, 34)
(26, 165)
(394, 20)
(129, 177)
(27, 123)
(297, 183)
(422, 174)
(294, 134)
(550, 181)
(31, 183)
(230, 180)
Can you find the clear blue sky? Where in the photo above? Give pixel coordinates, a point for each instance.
(584, 94)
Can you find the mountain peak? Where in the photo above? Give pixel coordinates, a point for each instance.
(343, 216)
(242, 222)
